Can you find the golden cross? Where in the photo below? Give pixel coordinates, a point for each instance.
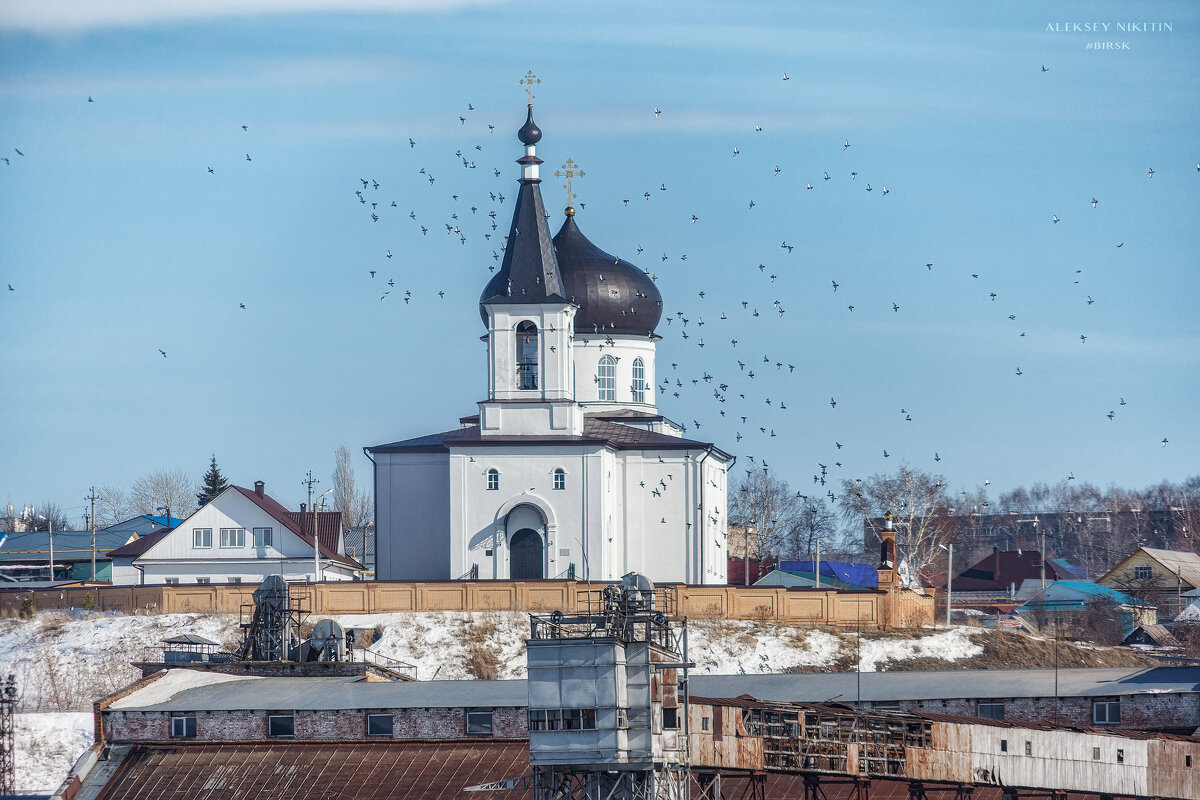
(569, 170)
(528, 81)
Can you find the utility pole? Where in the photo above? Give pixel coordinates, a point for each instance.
(818, 564)
(92, 524)
(1043, 559)
(310, 480)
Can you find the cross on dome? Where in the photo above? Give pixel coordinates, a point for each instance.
(569, 170)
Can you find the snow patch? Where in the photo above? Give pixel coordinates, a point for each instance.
(47, 746)
(951, 645)
(176, 680)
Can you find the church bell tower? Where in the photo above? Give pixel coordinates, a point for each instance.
(530, 322)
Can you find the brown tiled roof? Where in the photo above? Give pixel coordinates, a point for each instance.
(595, 431)
(300, 770)
(329, 526)
(1001, 568)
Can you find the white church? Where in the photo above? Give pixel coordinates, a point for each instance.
(568, 469)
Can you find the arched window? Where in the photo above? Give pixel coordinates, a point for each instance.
(560, 478)
(639, 381)
(606, 377)
(493, 479)
(527, 355)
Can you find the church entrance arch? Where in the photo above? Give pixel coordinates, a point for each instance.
(525, 555)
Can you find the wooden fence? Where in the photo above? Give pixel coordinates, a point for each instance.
(876, 609)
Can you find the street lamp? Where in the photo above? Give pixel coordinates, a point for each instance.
(949, 577)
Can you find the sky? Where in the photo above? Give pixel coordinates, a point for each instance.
(178, 161)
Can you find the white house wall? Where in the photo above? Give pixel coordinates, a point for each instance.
(412, 505)
(176, 556)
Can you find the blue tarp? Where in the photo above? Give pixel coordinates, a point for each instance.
(858, 574)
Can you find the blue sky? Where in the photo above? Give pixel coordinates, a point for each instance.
(119, 242)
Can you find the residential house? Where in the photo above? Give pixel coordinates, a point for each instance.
(1163, 576)
(242, 535)
(1083, 607)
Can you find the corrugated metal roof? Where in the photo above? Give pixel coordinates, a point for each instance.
(353, 692)
(317, 771)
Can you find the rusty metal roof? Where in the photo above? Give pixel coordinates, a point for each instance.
(316, 771)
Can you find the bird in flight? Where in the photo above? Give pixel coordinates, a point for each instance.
(1082, 338)
(411, 144)
(90, 100)
(895, 307)
(247, 156)
(846, 144)
(1054, 217)
(1045, 68)
(1164, 441)
(832, 403)
(241, 305)
(19, 152)
(735, 152)
(936, 457)
(1094, 202)
(164, 353)
(210, 171)
(657, 112)
(785, 77)
(1151, 174)
(1019, 371)
(10, 288)
(758, 128)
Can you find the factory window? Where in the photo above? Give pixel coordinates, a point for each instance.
(589, 720)
(1143, 573)
(1187, 761)
(1095, 754)
(379, 724)
(554, 720)
(1004, 745)
(990, 710)
(537, 720)
(1028, 747)
(171, 581)
(493, 480)
(233, 537)
(704, 723)
(1106, 712)
(479, 723)
(203, 580)
(606, 378)
(560, 478)
(182, 727)
(262, 537)
(235, 579)
(281, 725)
(572, 719)
(1120, 756)
(670, 719)
(639, 381)
(201, 537)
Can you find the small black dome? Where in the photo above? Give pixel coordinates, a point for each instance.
(613, 295)
(529, 133)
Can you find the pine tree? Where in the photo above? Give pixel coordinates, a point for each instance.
(214, 484)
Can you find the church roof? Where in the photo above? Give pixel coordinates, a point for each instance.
(613, 295)
(595, 431)
(529, 272)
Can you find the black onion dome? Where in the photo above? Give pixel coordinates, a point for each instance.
(613, 295)
(529, 133)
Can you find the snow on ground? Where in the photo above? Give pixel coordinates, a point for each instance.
(47, 746)
(951, 645)
(65, 661)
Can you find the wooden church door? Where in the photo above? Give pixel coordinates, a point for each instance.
(525, 560)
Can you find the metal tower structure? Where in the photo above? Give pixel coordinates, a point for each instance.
(273, 632)
(608, 702)
(8, 767)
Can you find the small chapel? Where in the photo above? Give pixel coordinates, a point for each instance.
(568, 470)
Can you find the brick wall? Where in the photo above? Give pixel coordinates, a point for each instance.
(408, 723)
(1138, 711)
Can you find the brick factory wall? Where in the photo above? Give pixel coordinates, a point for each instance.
(766, 603)
(1138, 711)
(408, 723)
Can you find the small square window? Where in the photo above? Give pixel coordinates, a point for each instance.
(537, 720)
(281, 725)
(487, 552)
(183, 727)
(1106, 712)
(171, 581)
(1028, 747)
(670, 719)
(262, 537)
(479, 723)
(704, 723)
(235, 579)
(202, 537)
(233, 537)
(1095, 754)
(572, 719)
(1120, 756)
(1143, 573)
(203, 580)
(379, 724)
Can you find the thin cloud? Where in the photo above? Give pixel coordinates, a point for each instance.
(79, 16)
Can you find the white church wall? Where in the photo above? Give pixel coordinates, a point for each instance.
(412, 509)
(588, 350)
(526, 475)
(553, 350)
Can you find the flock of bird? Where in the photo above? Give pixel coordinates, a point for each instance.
(473, 215)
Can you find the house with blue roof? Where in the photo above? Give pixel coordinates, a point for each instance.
(1064, 604)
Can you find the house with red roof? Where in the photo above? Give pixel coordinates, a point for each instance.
(241, 536)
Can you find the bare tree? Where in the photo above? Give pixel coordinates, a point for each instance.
(112, 506)
(172, 488)
(49, 511)
(917, 501)
(357, 506)
(767, 505)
